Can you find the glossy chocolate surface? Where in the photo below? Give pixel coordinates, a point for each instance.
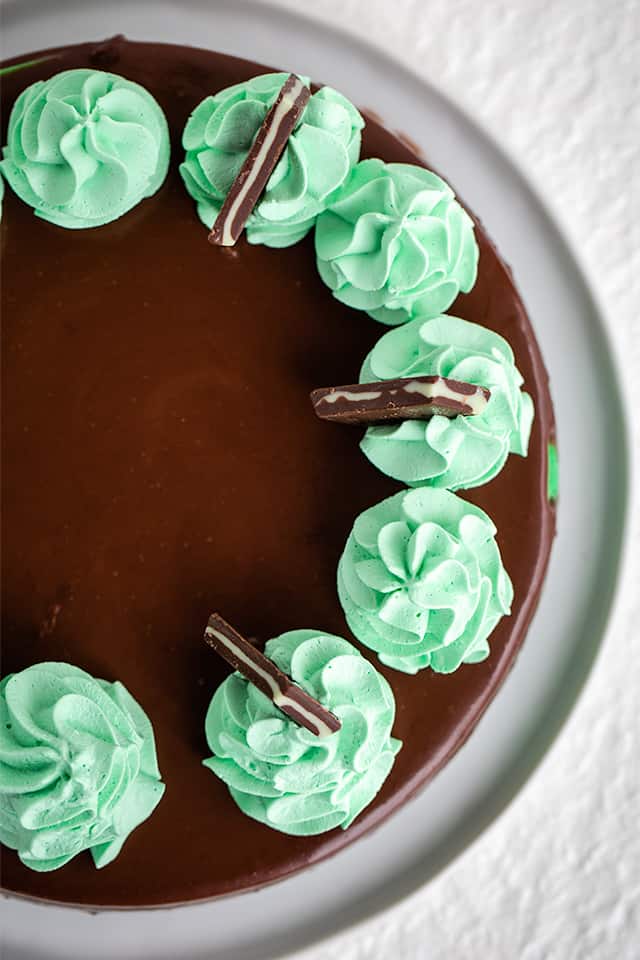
(161, 460)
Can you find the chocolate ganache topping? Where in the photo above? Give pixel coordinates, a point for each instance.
(175, 507)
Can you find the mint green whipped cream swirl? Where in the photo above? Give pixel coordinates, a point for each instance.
(396, 243)
(283, 775)
(84, 147)
(421, 581)
(78, 768)
(453, 452)
(319, 155)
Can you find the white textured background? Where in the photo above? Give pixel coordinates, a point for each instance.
(558, 84)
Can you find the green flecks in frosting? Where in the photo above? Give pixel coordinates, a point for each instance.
(458, 452)
(421, 581)
(396, 243)
(552, 472)
(281, 774)
(85, 147)
(319, 155)
(78, 768)
(14, 67)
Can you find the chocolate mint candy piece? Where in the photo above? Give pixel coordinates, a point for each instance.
(265, 675)
(270, 141)
(406, 398)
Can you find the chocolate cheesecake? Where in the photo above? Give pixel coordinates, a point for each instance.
(161, 459)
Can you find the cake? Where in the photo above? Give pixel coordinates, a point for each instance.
(161, 460)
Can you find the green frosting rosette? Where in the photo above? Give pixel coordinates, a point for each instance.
(553, 481)
(78, 768)
(396, 243)
(321, 151)
(84, 147)
(421, 581)
(281, 774)
(452, 452)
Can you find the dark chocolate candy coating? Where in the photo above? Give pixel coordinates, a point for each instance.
(245, 657)
(259, 163)
(161, 459)
(390, 400)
